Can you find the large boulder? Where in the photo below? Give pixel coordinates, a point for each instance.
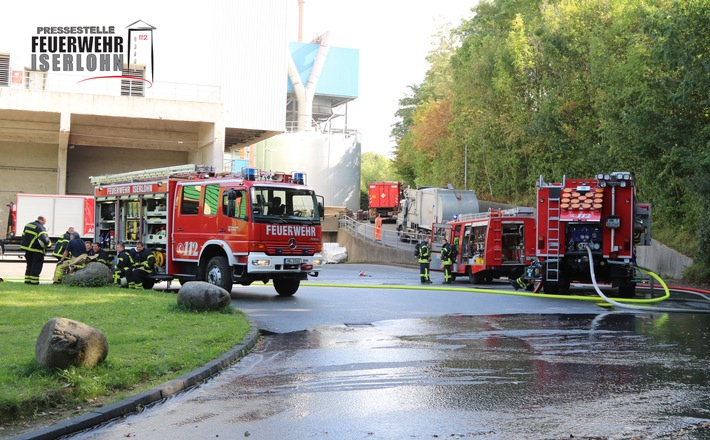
(200, 295)
(64, 342)
(94, 274)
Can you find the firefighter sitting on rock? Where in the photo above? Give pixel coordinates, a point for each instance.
(73, 258)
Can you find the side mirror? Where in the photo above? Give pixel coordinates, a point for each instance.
(321, 210)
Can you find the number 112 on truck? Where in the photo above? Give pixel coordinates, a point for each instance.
(221, 228)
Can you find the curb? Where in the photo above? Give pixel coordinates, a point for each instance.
(134, 403)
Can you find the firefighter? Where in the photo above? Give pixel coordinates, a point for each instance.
(527, 280)
(101, 255)
(62, 244)
(446, 261)
(123, 265)
(73, 258)
(424, 256)
(143, 266)
(75, 247)
(35, 242)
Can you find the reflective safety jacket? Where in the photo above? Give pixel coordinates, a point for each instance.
(424, 255)
(61, 245)
(35, 238)
(123, 262)
(102, 257)
(143, 260)
(446, 254)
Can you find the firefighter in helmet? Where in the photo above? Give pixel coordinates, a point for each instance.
(424, 258)
(446, 260)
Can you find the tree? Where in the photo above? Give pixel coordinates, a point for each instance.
(571, 88)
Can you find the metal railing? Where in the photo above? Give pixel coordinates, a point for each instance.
(106, 85)
(367, 231)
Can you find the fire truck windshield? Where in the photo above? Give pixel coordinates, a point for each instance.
(283, 204)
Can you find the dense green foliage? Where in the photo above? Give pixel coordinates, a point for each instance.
(571, 88)
(151, 340)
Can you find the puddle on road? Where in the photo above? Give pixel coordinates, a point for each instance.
(604, 374)
(611, 376)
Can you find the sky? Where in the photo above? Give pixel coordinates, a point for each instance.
(393, 37)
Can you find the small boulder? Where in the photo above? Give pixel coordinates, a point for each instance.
(94, 274)
(64, 342)
(200, 295)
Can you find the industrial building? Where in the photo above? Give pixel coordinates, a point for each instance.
(128, 91)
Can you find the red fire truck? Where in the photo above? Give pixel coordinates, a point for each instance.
(598, 216)
(383, 200)
(223, 229)
(493, 244)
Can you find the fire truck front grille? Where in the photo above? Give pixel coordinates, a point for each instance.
(300, 249)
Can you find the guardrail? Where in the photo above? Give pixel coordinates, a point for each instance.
(385, 237)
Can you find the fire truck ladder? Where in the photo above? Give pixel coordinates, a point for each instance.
(150, 174)
(497, 236)
(511, 212)
(552, 269)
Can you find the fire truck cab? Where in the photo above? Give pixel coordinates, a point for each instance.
(600, 215)
(491, 245)
(224, 229)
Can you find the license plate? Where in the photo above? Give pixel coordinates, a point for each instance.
(292, 261)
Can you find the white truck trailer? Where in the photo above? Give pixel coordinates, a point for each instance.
(61, 212)
(422, 207)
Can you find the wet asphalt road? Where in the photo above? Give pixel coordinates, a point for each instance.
(381, 363)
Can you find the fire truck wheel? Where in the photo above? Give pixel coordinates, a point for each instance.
(475, 278)
(219, 273)
(286, 286)
(551, 288)
(627, 290)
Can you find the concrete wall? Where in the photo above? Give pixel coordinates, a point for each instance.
(84, 162)
(662, 260)
(658, 258)
(364, 251)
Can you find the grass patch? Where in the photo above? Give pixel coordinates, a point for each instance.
(151, 340)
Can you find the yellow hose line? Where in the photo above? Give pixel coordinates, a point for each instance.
(649, 300)
(594, 298)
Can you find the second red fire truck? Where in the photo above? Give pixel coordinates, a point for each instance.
(223, 229)
(491, 245)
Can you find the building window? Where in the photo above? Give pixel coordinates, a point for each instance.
(4, 70)
(130, 87)
(35, 80)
